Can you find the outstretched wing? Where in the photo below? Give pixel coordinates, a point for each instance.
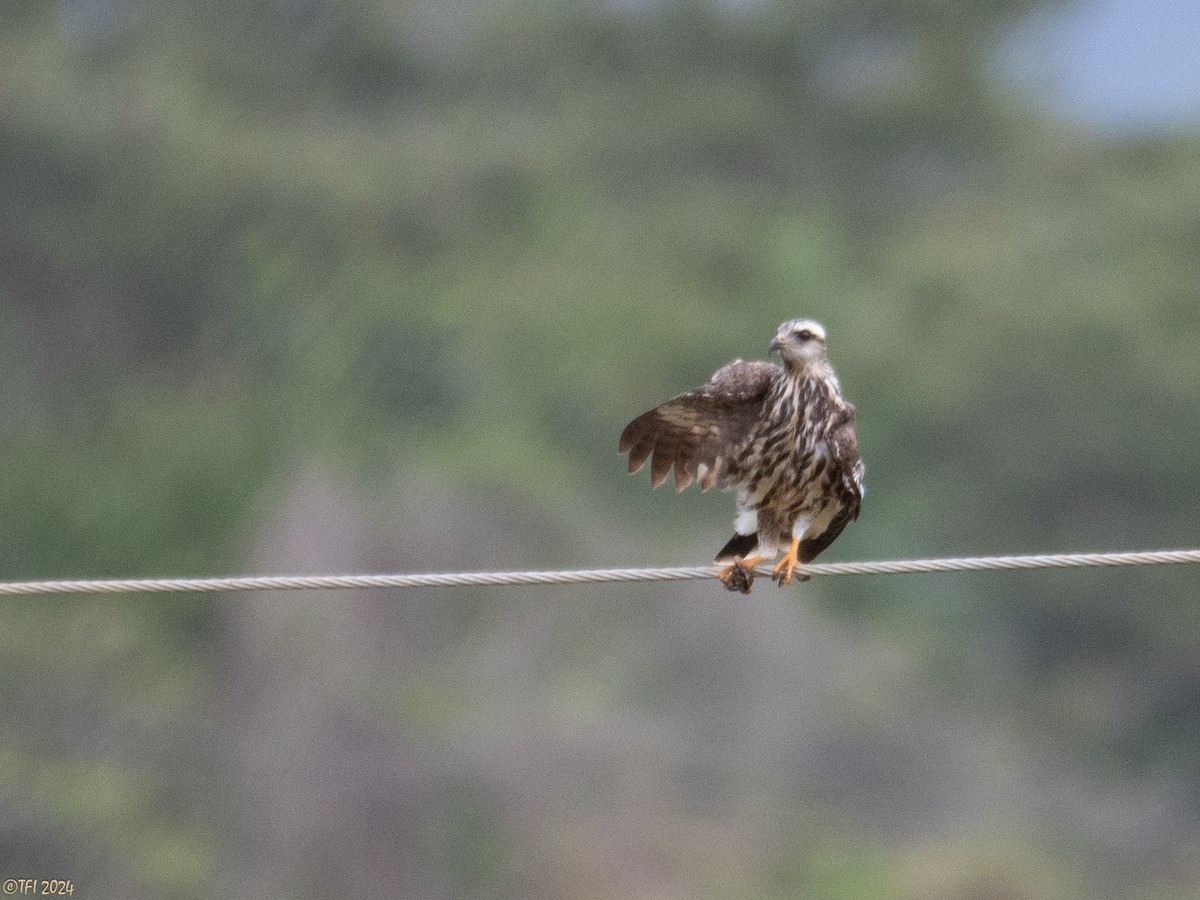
(697, 432)
(848, 487)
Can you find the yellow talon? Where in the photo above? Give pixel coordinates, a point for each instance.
(786, 566)
(748, 563)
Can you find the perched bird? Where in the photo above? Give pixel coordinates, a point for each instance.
(782, 437)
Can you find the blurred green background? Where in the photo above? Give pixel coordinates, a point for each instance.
(301, 286)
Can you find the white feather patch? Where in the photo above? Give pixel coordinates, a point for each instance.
(801, 525)
(746, 521)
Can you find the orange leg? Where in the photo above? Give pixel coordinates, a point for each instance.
(748, 563)
(786, 566)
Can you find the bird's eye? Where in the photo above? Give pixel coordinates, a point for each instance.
(804, 334)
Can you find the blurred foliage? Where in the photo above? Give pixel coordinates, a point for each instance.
(446, 250)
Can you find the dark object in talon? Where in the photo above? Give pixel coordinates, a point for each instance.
(738, 578)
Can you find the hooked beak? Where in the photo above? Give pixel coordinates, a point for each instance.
(776, 345)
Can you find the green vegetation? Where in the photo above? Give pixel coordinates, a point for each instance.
(327, 287)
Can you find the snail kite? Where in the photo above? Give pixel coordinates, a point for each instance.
(781, 436)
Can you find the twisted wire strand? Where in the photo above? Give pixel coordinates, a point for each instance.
(585, 576)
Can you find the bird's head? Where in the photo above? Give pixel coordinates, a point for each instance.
(800, 343)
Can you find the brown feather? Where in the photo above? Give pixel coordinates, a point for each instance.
(683, 477)
(843, 444)
(701, 427)
(660, 464)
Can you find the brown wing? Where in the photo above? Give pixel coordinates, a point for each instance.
(848, 489)
(697, 431)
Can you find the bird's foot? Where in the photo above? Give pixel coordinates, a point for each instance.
(739, 576)
(786, 567)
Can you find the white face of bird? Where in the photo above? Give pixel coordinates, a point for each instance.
(800, 341)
